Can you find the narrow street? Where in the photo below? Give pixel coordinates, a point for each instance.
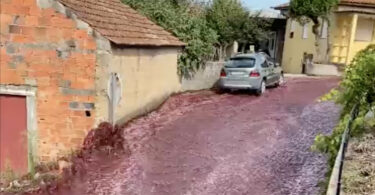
(204, 143)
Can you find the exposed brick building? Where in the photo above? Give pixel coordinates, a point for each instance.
(54, 63)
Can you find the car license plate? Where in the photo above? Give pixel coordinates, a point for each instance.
(236, 73)
(234, 82)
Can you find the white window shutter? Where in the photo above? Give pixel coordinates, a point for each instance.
(305, 33)
(292, 26)
(365, 30)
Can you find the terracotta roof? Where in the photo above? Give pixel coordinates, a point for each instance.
(365, 3)
(121, 24)
(282, 6)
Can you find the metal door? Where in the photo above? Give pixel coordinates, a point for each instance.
(13, 134)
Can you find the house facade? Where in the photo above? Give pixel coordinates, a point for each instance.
(56, 57)
(351, 30)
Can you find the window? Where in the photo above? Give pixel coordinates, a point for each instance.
(264, 60)
(324, 31)
(265, 64)
(365, 29)
(241, 63)
(305, 32)
(292, 28)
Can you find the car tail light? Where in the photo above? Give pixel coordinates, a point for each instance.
(223, 73)
(254, 74)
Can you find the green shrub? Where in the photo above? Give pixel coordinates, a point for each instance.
(358, 85)
(357, 88)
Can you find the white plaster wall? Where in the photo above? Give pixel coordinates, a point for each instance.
(149, 76)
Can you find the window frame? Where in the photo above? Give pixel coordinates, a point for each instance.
(361, 37)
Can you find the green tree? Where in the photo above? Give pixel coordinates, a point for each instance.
(252, 29)
(222, 16)
(183, 19)
(203, 26)
(233, 22)
(315, 11)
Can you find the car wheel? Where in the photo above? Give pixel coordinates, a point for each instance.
(262, 88)
(281, 80)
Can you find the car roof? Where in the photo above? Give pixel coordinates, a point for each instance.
(257, 56)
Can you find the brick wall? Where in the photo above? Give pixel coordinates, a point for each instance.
(45, 49)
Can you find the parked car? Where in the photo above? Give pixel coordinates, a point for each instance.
(255, 71)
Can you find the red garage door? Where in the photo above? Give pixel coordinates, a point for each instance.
(13, 133)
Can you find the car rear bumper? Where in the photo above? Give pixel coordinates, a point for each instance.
(246, 83)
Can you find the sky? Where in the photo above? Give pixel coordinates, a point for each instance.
(263, 4)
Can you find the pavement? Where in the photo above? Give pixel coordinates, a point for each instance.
(205, 143)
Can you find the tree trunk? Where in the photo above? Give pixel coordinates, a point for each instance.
(317, 36)
(225, 51)
(220, 52)
(243, 47)
(327, 60)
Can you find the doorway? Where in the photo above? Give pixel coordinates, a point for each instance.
(13, 134)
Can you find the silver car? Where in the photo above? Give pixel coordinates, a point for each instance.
(255, 71)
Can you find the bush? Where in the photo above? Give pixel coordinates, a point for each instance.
(357, 88)
(358, 85)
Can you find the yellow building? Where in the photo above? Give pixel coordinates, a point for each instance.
(351, 30)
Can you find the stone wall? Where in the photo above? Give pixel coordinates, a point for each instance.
(205, 78)
(149, 76)
(45, 47)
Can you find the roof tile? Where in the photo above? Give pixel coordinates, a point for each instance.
(121, 24)
(366, 3)
(370, 3)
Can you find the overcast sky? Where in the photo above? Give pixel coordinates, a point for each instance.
(263, 4)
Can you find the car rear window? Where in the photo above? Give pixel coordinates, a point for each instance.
(240, 63)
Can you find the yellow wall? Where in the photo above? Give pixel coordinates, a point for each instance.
(295, 47)
(148, 76)
(357, 47)
(341, 35)
(344, 47)
(360, 45)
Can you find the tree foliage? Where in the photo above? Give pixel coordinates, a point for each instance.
(185, 22)
(358, 85)
(203, 26)
(233, 22)
(313, 10)
(223, 16)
